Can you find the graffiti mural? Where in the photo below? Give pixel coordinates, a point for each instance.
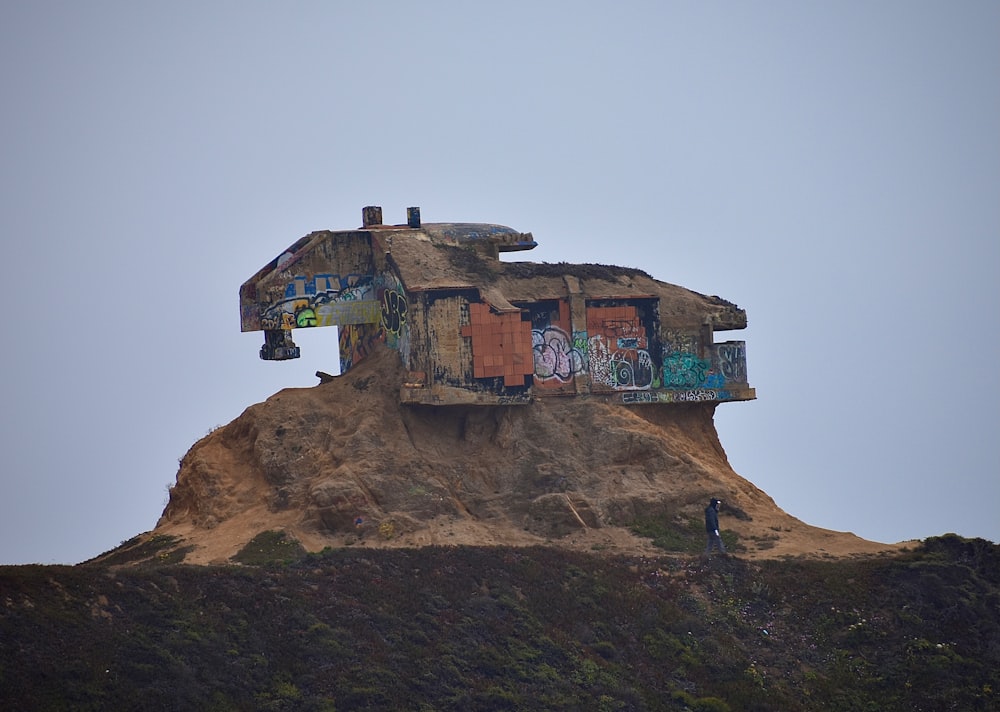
(555, 355)
(393, 312)
(683, 396)
(732, 361)
(356, 342)
(682, 367)
(620, 369)
(685, 370)
(324, 300)
(393, 315)
(617, 349)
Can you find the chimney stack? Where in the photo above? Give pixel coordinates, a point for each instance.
(371, 215)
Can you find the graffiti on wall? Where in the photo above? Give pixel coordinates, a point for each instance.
(324, 300)
(617, 349)
(732, 361)
(681, 396)
(682, 366)
(615, 352)
(393, 312)
(356, 342)
(686, 370)
(620, 369)
(678, 342)
(555, 355)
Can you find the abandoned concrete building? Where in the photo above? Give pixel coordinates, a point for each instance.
(472, 329)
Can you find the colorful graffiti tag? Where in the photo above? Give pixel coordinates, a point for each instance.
(685, 370)
(617, 349)
(393, 313)
(683, 367)
(616, 353)
(684, 396)
(356, 341)
(555, 355)
(620, 369)
(732, 359)
(324, 300)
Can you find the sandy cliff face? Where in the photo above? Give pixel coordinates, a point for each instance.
(561, 471)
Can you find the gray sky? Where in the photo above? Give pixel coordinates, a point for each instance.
(833, 168)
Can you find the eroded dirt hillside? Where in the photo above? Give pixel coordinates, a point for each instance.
(565, 472)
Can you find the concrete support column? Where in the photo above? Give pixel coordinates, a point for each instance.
(578, 322)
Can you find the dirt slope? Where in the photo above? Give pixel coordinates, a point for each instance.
(565, 472)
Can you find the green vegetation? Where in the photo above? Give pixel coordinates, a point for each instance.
(688, 537)
(271, 547)
(158, 549)
(468, 628)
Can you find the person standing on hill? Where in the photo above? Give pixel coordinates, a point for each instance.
(712, 527)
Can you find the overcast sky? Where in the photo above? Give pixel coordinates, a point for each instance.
(833, 168)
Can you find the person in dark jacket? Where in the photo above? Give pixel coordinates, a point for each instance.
(712, 527)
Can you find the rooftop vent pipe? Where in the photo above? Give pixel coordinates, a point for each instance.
(371, 215)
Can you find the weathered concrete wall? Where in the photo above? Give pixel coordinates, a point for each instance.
(599, 331)
(449, 357)
(618, 348)
(396, 320)
(621, 350)
(325, 281)
(559, 354)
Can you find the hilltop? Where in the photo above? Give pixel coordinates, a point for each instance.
(482, 403)
(572, 473)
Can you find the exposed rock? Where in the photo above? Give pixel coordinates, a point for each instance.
(568, 472)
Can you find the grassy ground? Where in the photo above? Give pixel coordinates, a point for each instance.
(468, 628)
